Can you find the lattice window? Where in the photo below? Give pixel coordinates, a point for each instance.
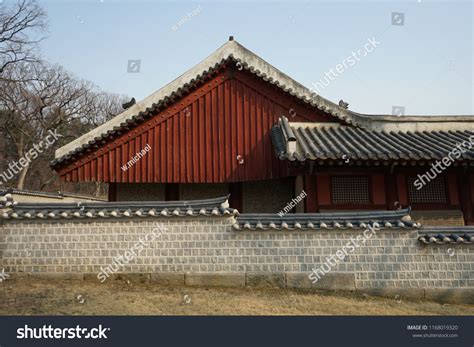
(434, 192)
(350, 190)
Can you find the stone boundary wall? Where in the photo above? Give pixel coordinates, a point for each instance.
(208, 251)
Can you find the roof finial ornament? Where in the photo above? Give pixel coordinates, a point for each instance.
(129, 104)
(343, 104)
(231, 38)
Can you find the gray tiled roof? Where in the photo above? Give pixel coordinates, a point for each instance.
(447, 235)
(208, 207)
(335, 220)
(10, 209)
(57, 195)
(343, 143)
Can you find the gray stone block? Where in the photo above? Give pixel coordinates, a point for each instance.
(332, 281)
(297, 280)
(17, 275)
(265, 280)
(168, 279)
(215, 279)
(395, 293)
(132, 277)
(57, 276)
(451, 295)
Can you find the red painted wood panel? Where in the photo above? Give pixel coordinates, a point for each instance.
(453, 192)
(311, 189)
(219, 132)
(402, 190)
(391, 191)
(323, 187)
(378, 189)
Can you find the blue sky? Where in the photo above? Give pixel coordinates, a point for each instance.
(424, 65)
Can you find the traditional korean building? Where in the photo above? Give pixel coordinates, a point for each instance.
(234, 124)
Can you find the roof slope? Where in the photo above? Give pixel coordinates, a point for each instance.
(445, 235)
(397, 219)
(248, 60)
(207, 207)
(330, 141)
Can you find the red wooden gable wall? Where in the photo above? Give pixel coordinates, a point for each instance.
(219, 132)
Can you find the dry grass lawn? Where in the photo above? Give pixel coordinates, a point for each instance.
(54, 297)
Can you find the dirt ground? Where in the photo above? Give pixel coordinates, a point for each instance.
(54, 297)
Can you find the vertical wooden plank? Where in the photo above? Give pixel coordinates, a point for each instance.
(260, 146)
(106, 167)
(141, 163)
(118, 157)
(156, 155)
(143, 160)
(175, 134)
(87, 170)
(131, 150)
(195, 124)
(240, 129)
(124, 161)
(137, 166)
(182, 145)
(111, 155)
(271, 117)
(164, 152)
(208, 136)
(100, 168)
(266, 156)
(80, 173)
(202, 141)
(252, 166)
(221, 134)
(169, 153)
(149, 155)
(215, 136)
(189, 143)
(246, 125)
(228, 129)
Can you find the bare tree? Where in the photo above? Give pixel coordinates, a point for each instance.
(21, 28)
(39, 98)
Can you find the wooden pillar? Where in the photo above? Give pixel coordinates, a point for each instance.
(466, 189)
(402, 190)
(112, 191)
(311, 202)
(236, 196)
(391, 190)
(298, 189)
(379, 197)
(453, 189)
(323, 187)
(172, 192)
